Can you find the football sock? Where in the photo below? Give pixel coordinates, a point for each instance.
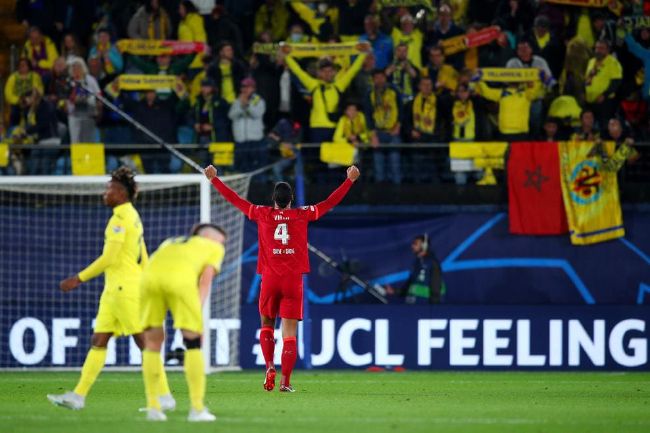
(163, 384)
(151, 371)
(195, 376)
(92, 367)
(289, 356)
(267, 342)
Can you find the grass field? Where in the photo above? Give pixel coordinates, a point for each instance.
(337, 402)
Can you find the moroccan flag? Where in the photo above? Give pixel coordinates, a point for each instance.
(534, 190)
(590, 193)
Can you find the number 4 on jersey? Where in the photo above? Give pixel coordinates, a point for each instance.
(281, 234)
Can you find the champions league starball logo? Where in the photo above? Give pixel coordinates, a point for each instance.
(586, 182)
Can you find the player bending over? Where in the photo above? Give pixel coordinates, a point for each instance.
(283, 259)
(122, 261)
(178, 278)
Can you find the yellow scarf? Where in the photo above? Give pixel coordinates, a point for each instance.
(385, 109)
(424, 113)
(464, 121)
(164, 25)
(356, 126)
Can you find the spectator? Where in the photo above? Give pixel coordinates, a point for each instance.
(40, 51)
(227, 72)
(643, 53)
(362, 82)
(351, 127)
(109, 57)
(220, 28)
(444, 28)
(191, 29)
(160, 116)
(70, 47)
(325, 90)
(211, 122)
(424, 284)
(81, 104)
(421, 123)
(266, 71)
(587, 130)
(464, 118)
(403, 73)
(516, 16)
(551, 129)
(514, 108)
(572, 80)
(603, 77)
(151, 21)
(272, 17)
(497, 53)
(408, 34)
(624, 150)
(247, 116)
(546, 45)
(286, 137)
(445, 80)
(526, 59)
(21, 83)
(351, 17)
(37, 121)
(195, 84)
(322, 20)
(383, 112)
(382, 44)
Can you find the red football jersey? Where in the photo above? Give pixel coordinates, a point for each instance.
(282, 233)
(282, 236)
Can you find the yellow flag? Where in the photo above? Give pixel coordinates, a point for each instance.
(4, 154)
(320, 50)
(590, 194)
(146, 82)
(223, 154)
(87, 159)
(337, 153)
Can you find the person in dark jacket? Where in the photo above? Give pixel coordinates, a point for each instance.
(210, 118)
(227, 72)
(424, 284)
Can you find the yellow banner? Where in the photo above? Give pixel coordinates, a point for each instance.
(320, 50)
(144, 47)
(146, 82)
(406, 3)
(223, 154)
(509, 75)
(270, 48)
(337, 153)
(478, 151)
(87, 159)
(584, 3)
(4, 154)
(590, 194)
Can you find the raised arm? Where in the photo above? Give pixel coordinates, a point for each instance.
(227, 193)
(339, 193)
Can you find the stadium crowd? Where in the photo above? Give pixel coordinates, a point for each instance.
(404, 87)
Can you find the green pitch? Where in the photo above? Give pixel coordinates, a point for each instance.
(337, 402)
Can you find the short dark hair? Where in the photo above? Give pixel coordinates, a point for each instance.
(126, 177)
(196, 229)
(282, 194)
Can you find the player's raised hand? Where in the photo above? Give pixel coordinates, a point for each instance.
(210, 172)
(70, 283)
(353, 173)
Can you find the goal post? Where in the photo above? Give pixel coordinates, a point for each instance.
(52, 226)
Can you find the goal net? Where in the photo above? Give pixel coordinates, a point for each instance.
(51, 227)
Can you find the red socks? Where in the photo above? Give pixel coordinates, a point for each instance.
(267, 342)
(289, 355)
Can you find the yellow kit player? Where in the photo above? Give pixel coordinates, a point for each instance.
(122, 260)
(178, 278)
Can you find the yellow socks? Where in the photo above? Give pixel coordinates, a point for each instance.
(92, 366)
(164, 385)
(195, 376)
(152, 369)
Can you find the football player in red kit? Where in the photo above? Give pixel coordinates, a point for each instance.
(282, 260)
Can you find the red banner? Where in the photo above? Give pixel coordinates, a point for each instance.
(534, 190)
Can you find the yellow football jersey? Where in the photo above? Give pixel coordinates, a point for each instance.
(124, 254)
(180, 261)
